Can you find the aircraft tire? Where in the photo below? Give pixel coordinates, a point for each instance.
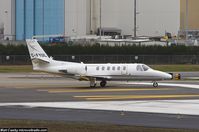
(93, 86)
(155, 84)
(103, 83)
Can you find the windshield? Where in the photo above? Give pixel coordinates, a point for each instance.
(145, 67)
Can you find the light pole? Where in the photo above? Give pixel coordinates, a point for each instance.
(100, 30)
(135, 18)
(6, 25)
(187, 19)
(12, 18)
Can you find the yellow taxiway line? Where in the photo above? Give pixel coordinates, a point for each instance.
(101, 90)
(120, 97)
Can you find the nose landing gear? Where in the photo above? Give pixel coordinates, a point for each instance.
(155, 84)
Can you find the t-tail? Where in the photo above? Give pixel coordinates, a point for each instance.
(37, 55)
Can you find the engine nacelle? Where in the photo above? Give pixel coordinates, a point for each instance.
(76, 69)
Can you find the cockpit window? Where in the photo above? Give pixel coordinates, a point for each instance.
(139, 68)
(145, 67)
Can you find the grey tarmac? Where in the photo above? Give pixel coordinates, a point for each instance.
(41, 87)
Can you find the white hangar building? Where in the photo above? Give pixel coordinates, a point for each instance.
(82, 17)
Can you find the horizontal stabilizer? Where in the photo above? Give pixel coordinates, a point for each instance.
(40, 61)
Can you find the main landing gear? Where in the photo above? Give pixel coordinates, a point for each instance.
(155, 84)
(103, 83)
(93, 83)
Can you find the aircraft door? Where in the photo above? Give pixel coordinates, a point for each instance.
(86, 69)
(124, 70)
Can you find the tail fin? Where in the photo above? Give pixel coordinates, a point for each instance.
(38, 56)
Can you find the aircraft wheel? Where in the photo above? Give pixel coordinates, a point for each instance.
(103, 83)
(93, 83)
(93, 86)
(155, 84)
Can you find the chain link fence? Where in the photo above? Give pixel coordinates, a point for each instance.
(147, 59)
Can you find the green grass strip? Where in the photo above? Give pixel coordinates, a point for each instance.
(82, 127)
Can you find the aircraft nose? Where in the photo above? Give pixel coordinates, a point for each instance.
(167, 76)
(164, 75)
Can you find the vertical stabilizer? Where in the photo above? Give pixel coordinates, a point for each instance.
(38, 56)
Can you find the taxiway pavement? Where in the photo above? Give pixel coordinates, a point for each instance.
(31, 96)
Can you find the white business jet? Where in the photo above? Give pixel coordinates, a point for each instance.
(93, 72)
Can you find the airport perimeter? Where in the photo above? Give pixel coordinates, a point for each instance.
(41, 96)
(99, 66)
(146, 59)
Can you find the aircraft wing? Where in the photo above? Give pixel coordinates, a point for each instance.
(97, 77)
(88, 78)
(101, 77)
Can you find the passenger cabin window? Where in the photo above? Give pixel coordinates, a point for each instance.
(145, 68)
(103, 68)
(124, 68)
(108, 68)
(118, 68)
(113, 68)
(139, 68)
(97, 68)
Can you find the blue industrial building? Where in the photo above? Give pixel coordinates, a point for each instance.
(39, 17)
